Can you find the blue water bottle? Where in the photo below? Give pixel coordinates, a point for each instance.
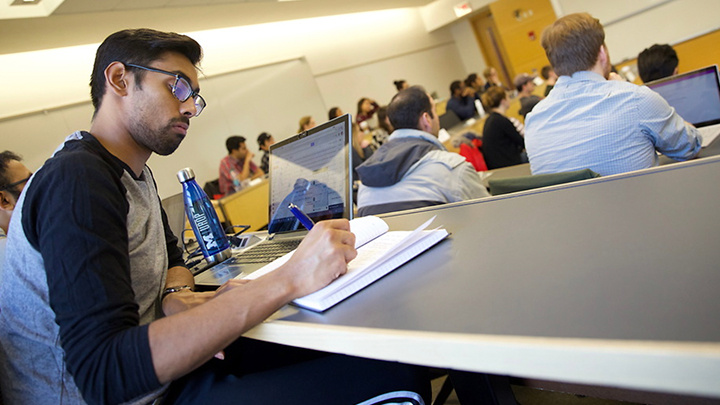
(203, 219)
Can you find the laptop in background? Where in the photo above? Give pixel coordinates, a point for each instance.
(311, 170)
(174, 208)
(696, 98)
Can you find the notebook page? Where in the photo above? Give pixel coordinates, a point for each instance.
(364, 228)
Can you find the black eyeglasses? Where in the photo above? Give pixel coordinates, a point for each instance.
(17, 183)
(181, 89)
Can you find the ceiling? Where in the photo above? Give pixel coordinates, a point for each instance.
(78, 22)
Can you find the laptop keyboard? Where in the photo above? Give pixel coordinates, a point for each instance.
(268, 251)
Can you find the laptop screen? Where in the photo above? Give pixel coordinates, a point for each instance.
(312, 171)
(694, 95)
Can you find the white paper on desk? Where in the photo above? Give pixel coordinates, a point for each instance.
(443, 135)
(364, 228)
(379, 253)
(374, 260)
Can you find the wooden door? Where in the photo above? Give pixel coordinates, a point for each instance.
(491, 45)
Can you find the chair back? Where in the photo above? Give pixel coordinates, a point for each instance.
(212, 189)
(449, 119)
(394, 206)
(515, 184)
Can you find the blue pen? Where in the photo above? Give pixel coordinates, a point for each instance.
(301, 216)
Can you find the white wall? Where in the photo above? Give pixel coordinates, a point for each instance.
(344, 58)
(339, 59)
(462, 32)
(441, 13)
(631, 26)
(433, 68)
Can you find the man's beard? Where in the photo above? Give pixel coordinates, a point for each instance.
(162, 142)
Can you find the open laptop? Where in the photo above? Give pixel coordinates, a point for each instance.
(311, 170)
(174, 207)
(696, 98)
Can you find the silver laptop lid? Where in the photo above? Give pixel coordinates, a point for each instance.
(694, 95)
(174, 207)
(312, 170)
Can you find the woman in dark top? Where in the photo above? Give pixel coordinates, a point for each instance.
(502, 143)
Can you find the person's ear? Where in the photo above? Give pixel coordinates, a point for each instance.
(116, 78)
(676, 71)
(7, 201)
(425, 122)
(602, 55)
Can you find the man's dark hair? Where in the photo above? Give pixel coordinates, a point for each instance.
(234, 142)
(657, 62)
(382, 114)
(545, 71)
(470, 80)
(406, 108)
(141, 47)
(399, 84)
(5, 158)
(262, 138)
(456, 85)
(333, 113)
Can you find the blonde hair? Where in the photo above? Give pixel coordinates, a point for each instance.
(304, 121)
(488, 72)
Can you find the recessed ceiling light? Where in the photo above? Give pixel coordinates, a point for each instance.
(24, 2)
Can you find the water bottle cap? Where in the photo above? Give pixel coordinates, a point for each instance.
(185, 174)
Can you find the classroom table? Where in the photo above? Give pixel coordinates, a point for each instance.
(610, 282)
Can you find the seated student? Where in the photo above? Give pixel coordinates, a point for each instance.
(525, 85)
(97, 305)
(264, 141)
(401, 85)
(306, 122)
(476, 83)
(462, 100)
(657, 62)
(334, 113)
(491, 77)
(237, 166)
(502, 143)
(361, 149)
(590, 122)
(548, 74)
(413, 169)
(13, 177)
(384, 129)
(366, 109)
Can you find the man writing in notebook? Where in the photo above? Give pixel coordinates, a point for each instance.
(591, 122)
(97, 306)
(413, 169)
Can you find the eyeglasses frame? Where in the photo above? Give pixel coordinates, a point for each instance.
(15, 184)
(177, 76)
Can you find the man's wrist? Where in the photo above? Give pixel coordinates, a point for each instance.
(171, 290)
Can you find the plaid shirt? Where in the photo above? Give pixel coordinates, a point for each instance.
(228, 164)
